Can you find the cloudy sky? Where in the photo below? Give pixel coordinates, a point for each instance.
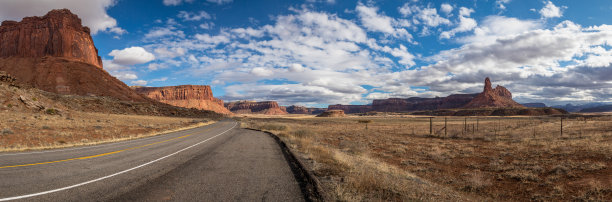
(319, 52)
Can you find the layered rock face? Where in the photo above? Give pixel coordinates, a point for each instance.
(351, 109)
(251, 107)
(293, 109)
(187, 96)
(56, 54)
(493, 97)
(58, 34)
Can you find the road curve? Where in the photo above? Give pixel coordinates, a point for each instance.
(218, 162)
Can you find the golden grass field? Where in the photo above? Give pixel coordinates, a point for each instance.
(479, 158)
(21, 131)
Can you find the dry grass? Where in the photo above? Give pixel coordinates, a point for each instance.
(479, 158)
(21, 131)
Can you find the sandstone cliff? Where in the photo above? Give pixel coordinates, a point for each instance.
(493, 97)
(251, 107)
(58, 34)
(332, 113)
(55, 53)
(187, 96)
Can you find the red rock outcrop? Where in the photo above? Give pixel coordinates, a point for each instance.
(493, 97)
(332, 113)
(252, 107)
(351, 109)
(187, 96)
(56, 54)
(59, 33)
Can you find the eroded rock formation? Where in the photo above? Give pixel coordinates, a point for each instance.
(187, 96)
(252, 107)
(55, 53)
(59, 33)
(493, 97)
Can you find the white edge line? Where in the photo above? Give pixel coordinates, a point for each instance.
(112, 175)
(90, 146)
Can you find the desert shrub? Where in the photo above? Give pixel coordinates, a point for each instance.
(51, 111)
(302, 133)
(277, 127)
(7, 131)
(10, 105)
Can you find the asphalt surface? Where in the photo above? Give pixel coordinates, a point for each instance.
(218, 162)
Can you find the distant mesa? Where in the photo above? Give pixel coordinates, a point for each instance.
(293, 109)
(252, 107)
(332, 113)
(187, 96)
(55, 53)
(493, 97)
(351, 109)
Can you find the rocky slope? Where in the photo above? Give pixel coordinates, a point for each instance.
(493, 97)
(55, 53)
(252, 107)
(187, 96)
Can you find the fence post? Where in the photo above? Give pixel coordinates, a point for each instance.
(445, 127)
(561, 126)
(477, 123)
(430, 126)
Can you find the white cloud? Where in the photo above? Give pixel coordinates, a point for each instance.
(124, 75)
(163, 32)
(207, 25)
(163, 52)
(220, 1)
(446, 8)
(430, 17)
(131, 56)
(296, 67)
(372, 20)
(206, 38)
(492, 27)
(139, 82)
(190, 16)
(92, 12)
(109, 65)
(175, 2)
(551, 11)
(501, 4)
(465, 24)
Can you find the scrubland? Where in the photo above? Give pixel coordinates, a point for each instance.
(475, 159)
(44, 130)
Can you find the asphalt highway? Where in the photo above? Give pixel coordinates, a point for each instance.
(218, 162)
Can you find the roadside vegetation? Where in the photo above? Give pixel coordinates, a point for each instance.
(393, 158)
(21, 131)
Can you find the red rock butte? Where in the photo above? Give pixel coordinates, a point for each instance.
(59, 33)
(493, 97)
(252, 107)
(55, 53)
(187, 96)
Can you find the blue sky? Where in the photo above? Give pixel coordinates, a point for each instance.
(320, 52)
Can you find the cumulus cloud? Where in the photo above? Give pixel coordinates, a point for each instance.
(465, 24)
(446, 8)
(220, 1)
(551, 11)
(375, 22)
(190, 16)
(92, 12)
(501, 4)
(164, 32)
(139, 82)
(131, 56)
(124, 75)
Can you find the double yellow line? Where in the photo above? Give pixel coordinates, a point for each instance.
(94, 156)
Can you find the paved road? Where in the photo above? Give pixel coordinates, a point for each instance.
(218, 162)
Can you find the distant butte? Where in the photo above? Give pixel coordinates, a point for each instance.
(187, 96)
(493, 97)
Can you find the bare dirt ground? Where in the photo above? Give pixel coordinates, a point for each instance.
(40, 130)
(479, 158)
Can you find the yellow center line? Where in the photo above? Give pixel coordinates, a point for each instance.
(98, 155)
